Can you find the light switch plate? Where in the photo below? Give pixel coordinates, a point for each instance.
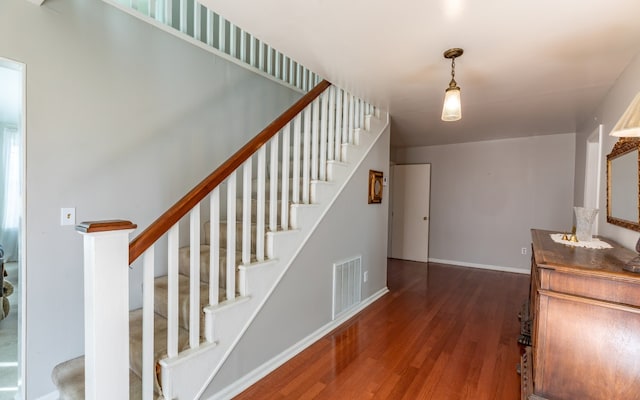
(67, 216)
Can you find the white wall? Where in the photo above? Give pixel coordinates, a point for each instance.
(608, 113)
(122, 120)
(486, 196)
(301, 304)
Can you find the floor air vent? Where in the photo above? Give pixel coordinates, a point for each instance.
(347, 278)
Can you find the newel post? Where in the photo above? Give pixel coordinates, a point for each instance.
(106, 308)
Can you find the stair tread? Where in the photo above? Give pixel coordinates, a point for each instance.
(160, 303)
(69, 379)
(184, 263)
(159, 341)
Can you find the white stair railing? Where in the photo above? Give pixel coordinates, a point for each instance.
(187, 16)
(297, 152)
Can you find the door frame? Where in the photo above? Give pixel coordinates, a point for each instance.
(593, 171)
(393, 221)
(22, 241)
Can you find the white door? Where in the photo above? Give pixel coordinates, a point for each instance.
(410, 212)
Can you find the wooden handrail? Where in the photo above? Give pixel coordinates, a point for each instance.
(104, 226)
(161, 225)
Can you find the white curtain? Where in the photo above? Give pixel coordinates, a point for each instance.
(10, 198)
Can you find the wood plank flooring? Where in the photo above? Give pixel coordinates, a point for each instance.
(443, 332)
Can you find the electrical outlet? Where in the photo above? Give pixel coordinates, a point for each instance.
(67, 216)
(365, 276)
(524, 251)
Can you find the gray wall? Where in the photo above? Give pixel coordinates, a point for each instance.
(486, 196)
(122, 120)
(301, 304)
(610, 110)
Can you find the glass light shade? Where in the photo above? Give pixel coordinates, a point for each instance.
(629, 123)
(452, 111)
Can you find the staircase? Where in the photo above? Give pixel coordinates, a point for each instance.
(256, 211)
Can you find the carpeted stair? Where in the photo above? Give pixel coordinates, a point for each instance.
(69, 376)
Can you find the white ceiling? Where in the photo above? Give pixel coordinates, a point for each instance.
(529, 67)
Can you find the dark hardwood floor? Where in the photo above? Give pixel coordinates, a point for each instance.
(442, 332)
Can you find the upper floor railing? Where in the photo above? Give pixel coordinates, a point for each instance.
(203, 25)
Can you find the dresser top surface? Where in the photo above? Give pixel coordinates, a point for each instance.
(603, 262)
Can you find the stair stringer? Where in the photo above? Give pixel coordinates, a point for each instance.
(188, 375)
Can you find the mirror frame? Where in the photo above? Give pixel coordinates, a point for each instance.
(623, 146)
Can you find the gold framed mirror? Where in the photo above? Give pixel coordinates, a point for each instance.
(623, 184)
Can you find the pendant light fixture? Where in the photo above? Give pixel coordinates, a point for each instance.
(452, 110)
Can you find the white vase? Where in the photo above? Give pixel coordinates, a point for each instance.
(584, 222)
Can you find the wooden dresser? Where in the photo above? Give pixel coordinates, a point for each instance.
(585, 316)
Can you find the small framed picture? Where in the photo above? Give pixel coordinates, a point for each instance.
(375, 187)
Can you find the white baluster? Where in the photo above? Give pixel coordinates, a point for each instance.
(260, 55)
(292, 71)
(356, 114)
(315, 128)
(246, 211)
(148, 362)
(306, 154)
(278, 61)
(168, 12)
(352, 118)
(159, 10)
(183, 16)
(338, 124)
(209, 27)
(233, 45)
(273, 185)
(172, 289)
(305, 81)
(252, 51)
(299, 77)
(222, 40)
(214, 250)
(285, 68)
(197, 20)
(324, 120)
(151, 7)
(284, 193)
(331, 133)
(345, 117)
(243, 46)
(295, 188)
(194, 277)
(360, 114)
(231, 236)
(269, 60)
(260, 200)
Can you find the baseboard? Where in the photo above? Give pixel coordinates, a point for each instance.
(482, 266)
(51, 396)
(254, 376)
